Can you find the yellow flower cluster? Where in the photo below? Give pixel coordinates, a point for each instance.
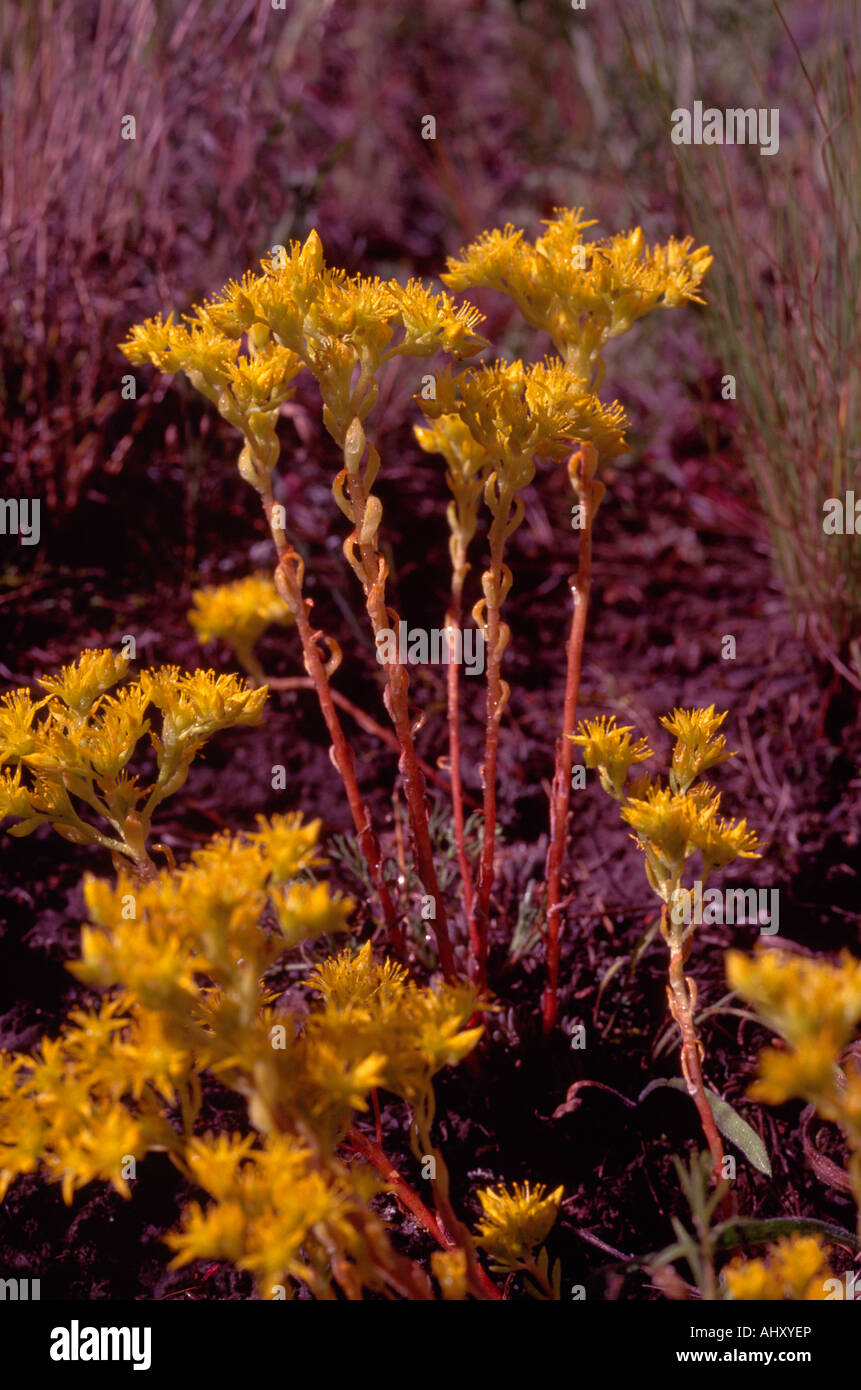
(239, 613)
(581, 293)
(514, 1223)
(185, 957)
(675, 824)
(794, 1268)
(376, 1013)
(280, 1213)
(516, 412)
(86, 1102)
(76, 743)
(672, 822)
(298, 313)
(698, 744)
(608, 747)
(816, 1007)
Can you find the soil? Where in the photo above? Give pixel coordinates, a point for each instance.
(681, 563)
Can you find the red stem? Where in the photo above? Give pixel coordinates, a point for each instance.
(413, 1203)
(560, 795)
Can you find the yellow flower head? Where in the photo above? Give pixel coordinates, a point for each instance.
(239, 612)
(197, 704)
(517, 413)
(608, 747)
(795, 1268)
(433, 322)
(698, 744)
(80, 683)
(515, 1222)
(722, 841)
(799, 997)
(667, 821)
(581, 293)
(19, 738)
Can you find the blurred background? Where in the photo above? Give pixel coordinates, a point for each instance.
(254, 124)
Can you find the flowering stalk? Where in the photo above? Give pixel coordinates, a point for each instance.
(682, 998)
(289, 579)
(454, 625)
(671, 824)
(468, 464)
(352, 490)
(496, 584)
(581, 471)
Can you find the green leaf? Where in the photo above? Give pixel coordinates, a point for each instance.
(732, 1233)
(728, 1121)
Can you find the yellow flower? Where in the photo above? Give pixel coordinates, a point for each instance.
(197, 704)
(516, 412)
(816, 1006)
(608, 747)
(449, 1270)
(795, 1268)
(308, 910)
(698, 745)
(433, 322)
(81, 682)
(797, 996)
(351, 980)
(581, 293)
(723, 841)
(666, 821)
(238, 613)
(515, 1222)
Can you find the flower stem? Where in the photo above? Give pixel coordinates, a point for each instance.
(288, 579)
(560, 794)
(681, 994)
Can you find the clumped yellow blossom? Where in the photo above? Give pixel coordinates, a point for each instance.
(815, 1006)
(517, 412)
(608, 747)
(581, 293)
(698, 744)
(515, 1222)
(416, 1031)
(795, 1268)
(81, 682)
(801, 998)
(70, 751)
(280, 1214)
(238, 614)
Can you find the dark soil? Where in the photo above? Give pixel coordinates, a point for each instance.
(680, 563)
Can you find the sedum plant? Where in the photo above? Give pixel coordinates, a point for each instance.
(514, 415)
(70, 752)
(185, 964)
(513, 1225)
(243, 349)
(581, 294)
(671, 824)
(815, 1008)
(343, 329)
